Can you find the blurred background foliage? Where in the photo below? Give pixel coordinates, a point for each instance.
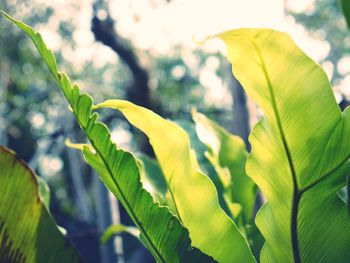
(113, 49)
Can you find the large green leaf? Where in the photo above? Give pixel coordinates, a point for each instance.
(228, 155)
(160, 231)
(300, 149)
(193, 193)
(25, 224)
(152, 178)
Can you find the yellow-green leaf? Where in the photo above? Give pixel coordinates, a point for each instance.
(194, 195)
(228, 155)
(300, 149)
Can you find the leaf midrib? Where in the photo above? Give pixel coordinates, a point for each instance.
(325, 176)
(42, 48)
(128, 206)
(296, 194)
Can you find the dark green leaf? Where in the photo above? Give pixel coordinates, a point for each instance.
(27, 231)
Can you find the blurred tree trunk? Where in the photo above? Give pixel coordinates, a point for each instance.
(76, 173)
(112, 251)
(138, 91)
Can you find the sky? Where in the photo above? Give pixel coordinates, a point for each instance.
(153, 25)
(157, 26)
(181, 20)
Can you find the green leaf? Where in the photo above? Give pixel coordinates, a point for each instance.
(205, 166)
(228, 155)
(300, 149)
(44, 192)
(193, 193)
(152, 178)
(345, 6)
(153, 181)
(118, 229)
(25, 224)
(160, 231)
(348, 193)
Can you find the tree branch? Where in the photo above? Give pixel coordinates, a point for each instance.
(139, 91)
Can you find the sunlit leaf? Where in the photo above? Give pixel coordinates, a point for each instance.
(300, 149)
(27, 231)
(193, 193)
(205, 166)
(228, 155)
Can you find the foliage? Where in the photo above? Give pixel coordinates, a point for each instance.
(118, 229)
(167, 239)
(187, 185)
(299, 160)
(25, 223)
(345, 6)
(227, 154)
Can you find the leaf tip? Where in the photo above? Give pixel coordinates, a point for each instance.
(194, 111)
(4, 14)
